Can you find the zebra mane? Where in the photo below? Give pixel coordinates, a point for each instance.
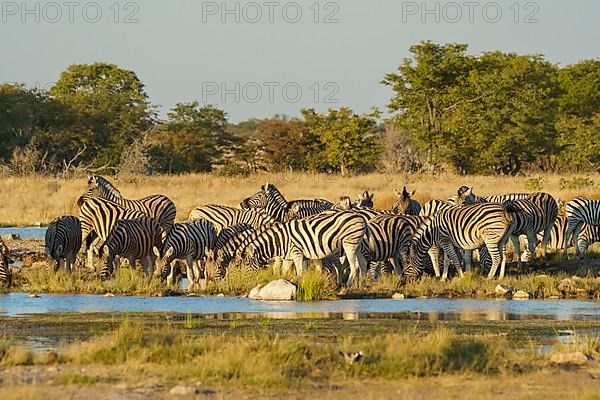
(274, 195)
(105, 188)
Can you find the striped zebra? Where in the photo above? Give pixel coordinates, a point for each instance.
(316, 237)
(133, 239)
(63, 241)
(589, 235)
(191, 241)
(5, 261)
(468, 227)
(389, 239)
(580, 211)
(405, 204)
(228, 242)
(156, 206)
(344, 204)
(270, 199)
(364, 200)
(432, 207)
(224, 216)
(98, 217)
(465, 195)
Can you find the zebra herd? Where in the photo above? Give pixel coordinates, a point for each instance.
(348, 239)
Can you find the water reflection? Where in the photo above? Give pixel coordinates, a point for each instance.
(14, 304)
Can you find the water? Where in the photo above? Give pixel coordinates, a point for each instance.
(15, 304)
(25, 233)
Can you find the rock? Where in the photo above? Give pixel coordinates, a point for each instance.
(553, 297)
(33, 296)
(180, 390)
(254, 293)
(220, 295)
(566, 285)
(503, 290)
(521, 295)
(109, 294)
(575, 358)
(279, 289)
(398, 296)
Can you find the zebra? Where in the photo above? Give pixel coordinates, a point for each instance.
(468, 227)
(5, 261)
(364, 200)
(389, 239)
(580, 211)
(465, 195)
(98, 217)
(189, 240)
(63, 240)
(224, 216)
(405, 204)
(156, 206)
(315, 237)
(270, 199)
(432, 207)
(344, 204)
(228, 242)
(133, 239)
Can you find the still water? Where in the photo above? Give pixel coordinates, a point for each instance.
(15, 304)
(25, 233)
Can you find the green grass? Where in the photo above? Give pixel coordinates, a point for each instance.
(262, 356)
(314, 285)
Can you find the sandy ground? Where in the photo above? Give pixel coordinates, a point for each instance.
(38, 382)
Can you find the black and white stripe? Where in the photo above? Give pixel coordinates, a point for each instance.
(63, 240)
(580, 211)
(98, 217)
(5, 261)
(229, 241)
(405, 204)
(432, 207)
(315, 238)
(389, 239)
(133, 239)
(191, 241)
(270, 199)
(468, 228)
(224, 216)
(156, 206)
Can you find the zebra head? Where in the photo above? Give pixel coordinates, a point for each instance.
(364, 199)
(404, 198)
(344, 204)
(163, 261)
(465, 196)
(251, 257)
(101, 187)
(257, 200)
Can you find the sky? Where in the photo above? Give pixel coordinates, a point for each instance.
(258, 59)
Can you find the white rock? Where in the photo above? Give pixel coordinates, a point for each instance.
(33, 296)
(398, 296)
(503, 290)
(575, 358)
(255, 293)
(109, 295)
(220, 295)
(279, 289)
(521, 295)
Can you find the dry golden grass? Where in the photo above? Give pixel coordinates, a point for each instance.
(38, 199)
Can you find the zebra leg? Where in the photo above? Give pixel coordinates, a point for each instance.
(531, 244)
(319, 265)
(278, 266)
(397, 264)
(468, 258)
(448, 248)
(434, 254)
(496, 256)
(517, 243)
(70, 260)
(286, 265)
(571, 225)
(358, 264)
(546, 239)
(61, 262)
(147, 266)
(576, 233)
(191, 277)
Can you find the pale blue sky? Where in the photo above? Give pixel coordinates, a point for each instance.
(182, 53)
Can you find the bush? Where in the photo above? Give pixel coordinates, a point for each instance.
(576, 183)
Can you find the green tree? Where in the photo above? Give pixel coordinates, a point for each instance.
(110, 106)
(346, 140)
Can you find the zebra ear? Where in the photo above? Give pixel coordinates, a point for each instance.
(169, 252)
(413, 192)
(156, 251)
(371, 196)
